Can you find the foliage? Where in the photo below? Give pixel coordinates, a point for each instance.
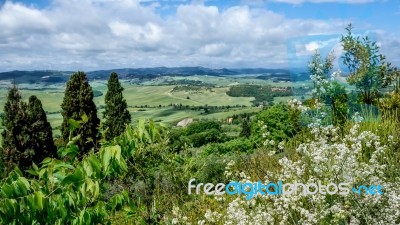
(319, 73)
(41, 134)
(337, 98)
(263, 94)
(116, 114)
(62, 192)
(69, 192)
(156, 174)
(328, 91)
(241, 144)
(246, 128)
(78, 101)
(391, 104)
(197, 134)
(365, 160)
(369, 71)
(280, 121)
(201, 126)
(15, 136)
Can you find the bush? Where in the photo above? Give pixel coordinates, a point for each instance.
(201, 126)
(236, 145)
(280, 120)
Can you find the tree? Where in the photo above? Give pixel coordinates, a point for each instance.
(41, 134)
(15, 135)
(369, 71)
(329, 92)
(337, 98)
(246, 128)
(116, 114)
(77, 104)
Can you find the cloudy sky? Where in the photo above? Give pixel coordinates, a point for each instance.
(105, 34)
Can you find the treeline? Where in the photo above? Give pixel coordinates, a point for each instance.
(27, 135)
(263, 94)
(192, 88)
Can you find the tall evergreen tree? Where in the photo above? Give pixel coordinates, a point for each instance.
(41, 134)
(116, 114)
(15, 135)
(246, 129)
(78, 101)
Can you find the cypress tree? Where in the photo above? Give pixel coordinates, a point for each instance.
(41, 139)
(116, 114)
(246, 129)
(15, 134)
(78, 101)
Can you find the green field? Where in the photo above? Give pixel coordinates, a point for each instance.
(149, 101)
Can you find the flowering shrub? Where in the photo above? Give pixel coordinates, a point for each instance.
(359, 157)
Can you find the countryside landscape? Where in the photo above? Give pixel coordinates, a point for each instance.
(200, 115)
(166, 98)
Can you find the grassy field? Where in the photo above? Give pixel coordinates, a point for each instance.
(139, 96)
(144, 100)
(146, 97)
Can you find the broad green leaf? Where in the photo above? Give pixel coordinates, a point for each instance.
(73, 124)
(63, 165)
(23, 185)
(42, 172)
(76, 177)
(46, 161)
(88, 168)
(107, 154)
(7, 191)
(71, 151)
(34, 173)
(94, 162)
(84, 118)
(39, 200)
(116, 149)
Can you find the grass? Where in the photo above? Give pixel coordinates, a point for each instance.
(149, 96)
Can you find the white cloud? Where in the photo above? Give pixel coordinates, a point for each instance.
(313, 46)
(323, 1)
(100, 34)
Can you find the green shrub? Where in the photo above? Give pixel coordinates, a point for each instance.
(280, 120)
(236, 145)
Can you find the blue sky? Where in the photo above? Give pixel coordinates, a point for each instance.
(105, 34)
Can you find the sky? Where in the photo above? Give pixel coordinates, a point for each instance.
(108, 34)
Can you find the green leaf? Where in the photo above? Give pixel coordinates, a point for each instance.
(39, 200)
(141, 127)
(84, 118)
(88, 168)
(95, 163)
(23, 185)
(7, 191)
(76, 177)
(35, 167)
(41, 173)
(116, 152)
(73, 124)
(71, 151)
(32, 172)
(63, 165)
(46, 161)
(107, 154)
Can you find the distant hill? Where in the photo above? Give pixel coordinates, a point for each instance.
(38, 76)
(49, 76)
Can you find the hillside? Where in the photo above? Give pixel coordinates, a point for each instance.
(50, 76)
